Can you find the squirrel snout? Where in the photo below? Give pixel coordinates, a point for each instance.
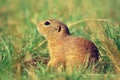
(38, 24)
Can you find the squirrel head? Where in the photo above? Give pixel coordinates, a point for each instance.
(52, 27)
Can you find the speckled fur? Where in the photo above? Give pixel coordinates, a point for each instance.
(66, 50)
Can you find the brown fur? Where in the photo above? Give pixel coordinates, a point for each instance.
(66, 50)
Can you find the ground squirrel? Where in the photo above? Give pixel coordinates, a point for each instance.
(66, 50)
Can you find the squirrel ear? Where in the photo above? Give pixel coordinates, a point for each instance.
(58, 28)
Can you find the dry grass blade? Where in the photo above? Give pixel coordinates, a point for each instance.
(83, 20)
(39, 44)
(31, 73)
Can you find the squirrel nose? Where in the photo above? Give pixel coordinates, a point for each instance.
(38, 24)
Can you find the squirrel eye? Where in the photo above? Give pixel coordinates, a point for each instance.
(47, 23)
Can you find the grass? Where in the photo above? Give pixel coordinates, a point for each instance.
(21, 45)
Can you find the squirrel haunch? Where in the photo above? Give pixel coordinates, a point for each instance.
(66, 50)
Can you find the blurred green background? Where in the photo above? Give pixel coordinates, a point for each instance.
(18, 16)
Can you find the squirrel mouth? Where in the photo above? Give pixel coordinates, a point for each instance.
(39, 30)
